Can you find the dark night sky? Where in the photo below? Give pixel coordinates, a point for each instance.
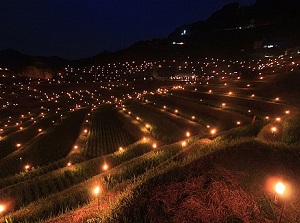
(75, 29)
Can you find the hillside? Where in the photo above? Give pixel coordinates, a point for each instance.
(200, 131)
(240, 30)
(233, 31)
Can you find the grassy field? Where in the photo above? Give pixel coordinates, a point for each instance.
(106, 134)
(224, 181)
(47, 147)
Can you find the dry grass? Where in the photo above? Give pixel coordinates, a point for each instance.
(203, 199)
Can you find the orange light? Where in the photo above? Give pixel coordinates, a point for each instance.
(183, 144)
(154, 145)
(26, 167)
(85, 131)
(96, 190)
(2, 208)
(18, 145)
(213, 131)
(273, 129)
(105, 166)
(280, 188)
(238, 122)
(287, 112)
(69, 164)
(120, 148)
(278, 119)
(193, 117)
(40, 130)
(188, 134)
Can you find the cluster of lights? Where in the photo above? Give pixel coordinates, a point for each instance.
(109, 74)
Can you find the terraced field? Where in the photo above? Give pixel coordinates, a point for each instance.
(106, 134)
(47, 146)
(182, 155)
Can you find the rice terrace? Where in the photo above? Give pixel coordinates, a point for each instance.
(202, 149)
(163, 131)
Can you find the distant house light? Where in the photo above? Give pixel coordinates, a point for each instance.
(183, 32)
(269, 46)
(178, 43)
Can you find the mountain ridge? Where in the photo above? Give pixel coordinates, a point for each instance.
(231, 30)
